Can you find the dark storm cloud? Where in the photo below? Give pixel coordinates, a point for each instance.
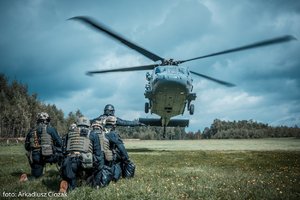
(41, 48)
(38, 49)
(178, 26)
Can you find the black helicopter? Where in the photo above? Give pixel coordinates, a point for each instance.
(169, 87)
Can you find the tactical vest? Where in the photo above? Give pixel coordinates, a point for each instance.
(46, 142)
(82, 146)
(104, 142)
(77, 143)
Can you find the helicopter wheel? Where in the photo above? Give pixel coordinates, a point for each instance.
(146, 107)
(191, 109)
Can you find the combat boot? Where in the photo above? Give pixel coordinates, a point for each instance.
(23, 178)
(63, 186)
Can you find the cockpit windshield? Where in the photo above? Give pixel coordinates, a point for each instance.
(159, 70)
(171, 70)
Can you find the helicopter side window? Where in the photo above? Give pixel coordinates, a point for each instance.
(157, 70)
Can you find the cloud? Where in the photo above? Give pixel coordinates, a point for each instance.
(41, 48)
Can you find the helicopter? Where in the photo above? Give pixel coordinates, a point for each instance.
(170, 87)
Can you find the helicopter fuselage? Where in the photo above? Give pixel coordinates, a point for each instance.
(169, 90)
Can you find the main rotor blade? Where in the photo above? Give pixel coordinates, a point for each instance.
(116, 36)
(127, 69)
(213, 79)
(277, 40)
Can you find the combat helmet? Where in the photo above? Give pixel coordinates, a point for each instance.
(97, 124)
(111, 120)
(43, 117)
(72, 127)
(109, 110)
(83, 121)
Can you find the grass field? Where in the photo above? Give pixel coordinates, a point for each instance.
(205, 169)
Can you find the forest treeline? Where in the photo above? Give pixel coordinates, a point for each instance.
(247, 129)
(18, 111)
(243, 129)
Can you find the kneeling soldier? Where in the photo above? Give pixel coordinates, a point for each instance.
(43, 145)
(102, 178)
(116, 155)
(84, 154)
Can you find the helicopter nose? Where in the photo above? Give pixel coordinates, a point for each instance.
(171, 83)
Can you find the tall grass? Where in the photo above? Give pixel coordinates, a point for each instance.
(168, 174)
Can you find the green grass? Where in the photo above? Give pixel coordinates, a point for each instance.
(269, 144)
(180, 173)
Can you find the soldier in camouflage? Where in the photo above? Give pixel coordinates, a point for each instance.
(43, 145)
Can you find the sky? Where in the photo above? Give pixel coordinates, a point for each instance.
(41, 48)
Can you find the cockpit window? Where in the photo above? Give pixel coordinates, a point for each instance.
(159, 70)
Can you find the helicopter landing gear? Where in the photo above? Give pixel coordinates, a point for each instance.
(164, 133)
(146, 107)
(191, 109)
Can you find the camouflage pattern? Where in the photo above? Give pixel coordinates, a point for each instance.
(43, 117)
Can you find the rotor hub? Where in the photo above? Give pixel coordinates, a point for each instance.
(169, 62)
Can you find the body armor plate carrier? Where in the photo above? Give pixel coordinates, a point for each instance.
(105, 146)
(82, 145)
(46, 142)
